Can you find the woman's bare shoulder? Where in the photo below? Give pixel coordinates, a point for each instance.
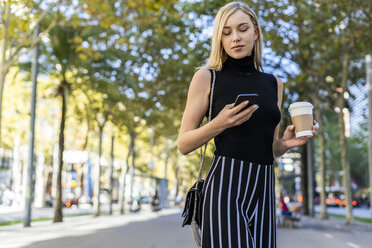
(201, 79)
(279, 81)
(203, 74)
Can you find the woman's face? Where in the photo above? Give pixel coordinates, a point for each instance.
(238, 35)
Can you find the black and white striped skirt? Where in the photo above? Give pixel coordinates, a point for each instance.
(239, 205)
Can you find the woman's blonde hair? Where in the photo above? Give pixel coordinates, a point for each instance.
(218, 55)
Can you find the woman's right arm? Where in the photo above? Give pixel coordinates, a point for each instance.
(191, 136)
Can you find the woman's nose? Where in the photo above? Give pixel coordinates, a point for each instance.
(236, 36)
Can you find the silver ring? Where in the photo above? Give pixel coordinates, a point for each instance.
(316, 124)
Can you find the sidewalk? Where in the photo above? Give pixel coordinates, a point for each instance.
(329, 233)
(163, 230)
(81, 228)
(362, 212)
(16, 213)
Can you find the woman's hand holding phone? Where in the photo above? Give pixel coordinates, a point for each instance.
(232, 115)
(251, 98)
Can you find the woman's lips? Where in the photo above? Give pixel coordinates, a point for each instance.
(237, 47)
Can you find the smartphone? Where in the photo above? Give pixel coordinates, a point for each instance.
(252, 98)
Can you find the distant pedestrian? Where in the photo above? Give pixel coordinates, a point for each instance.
(239, 198)
(283, 207)
(155, 202)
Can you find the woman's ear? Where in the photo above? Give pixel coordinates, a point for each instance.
(255, 34)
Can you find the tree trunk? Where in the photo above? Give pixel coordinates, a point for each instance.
(3, 61)
(111, 173)
(122, 182)
(177, 173)
(164, 191)
(343, 142)
(123, 176)
(167, 155)
(58, 217)
(2, 82)
(3, 72)
(304, 181)
(132, 167)
(322, 164)
(310, 173)
(86, 140)
(97, 184)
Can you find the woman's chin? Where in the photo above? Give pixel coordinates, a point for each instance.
(239, 54)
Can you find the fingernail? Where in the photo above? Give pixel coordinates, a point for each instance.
(255, 107)
(246, 102)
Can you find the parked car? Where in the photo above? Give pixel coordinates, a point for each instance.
(70, 202)
(338, 202)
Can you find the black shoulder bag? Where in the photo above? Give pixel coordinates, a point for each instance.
(192, 212)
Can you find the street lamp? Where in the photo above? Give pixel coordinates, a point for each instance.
(96, 203)
(30, 166)
(111, 172)
(369, 88)
(132, 167)
(151, 163)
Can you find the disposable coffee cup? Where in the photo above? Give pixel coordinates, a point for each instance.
(302, 118)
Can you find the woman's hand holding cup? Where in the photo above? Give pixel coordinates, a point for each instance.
(303, 128)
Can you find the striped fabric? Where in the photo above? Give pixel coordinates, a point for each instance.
(239, 205)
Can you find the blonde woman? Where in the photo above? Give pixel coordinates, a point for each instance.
(239, 200)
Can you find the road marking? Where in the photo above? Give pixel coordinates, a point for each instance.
(353, 245)
(327, 235)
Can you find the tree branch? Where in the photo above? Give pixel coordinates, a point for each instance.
(31, 32)
(2, 12)
(27, 36)
(367, 15)
(4, 42)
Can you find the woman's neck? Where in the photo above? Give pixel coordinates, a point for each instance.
(245, 65)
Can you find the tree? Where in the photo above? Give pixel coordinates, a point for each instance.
(293, 31)
(358, 155)
(322, 157)
(16, 33)
(65, 54)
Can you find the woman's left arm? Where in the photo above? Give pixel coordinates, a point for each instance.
(289, 140)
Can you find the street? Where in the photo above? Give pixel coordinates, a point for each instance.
(105, 104)
(331, 233)
(149, 230)
(144, 229)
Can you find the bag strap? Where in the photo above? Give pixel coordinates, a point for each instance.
(202, 153)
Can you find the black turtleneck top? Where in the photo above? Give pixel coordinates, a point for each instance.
(252, 140)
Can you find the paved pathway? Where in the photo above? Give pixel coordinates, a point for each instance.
(151, 230)
(362, 212)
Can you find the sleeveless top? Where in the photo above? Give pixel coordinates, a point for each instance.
(252, 140)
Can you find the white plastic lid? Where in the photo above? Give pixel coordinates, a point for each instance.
(299, 108)
(300, 104)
